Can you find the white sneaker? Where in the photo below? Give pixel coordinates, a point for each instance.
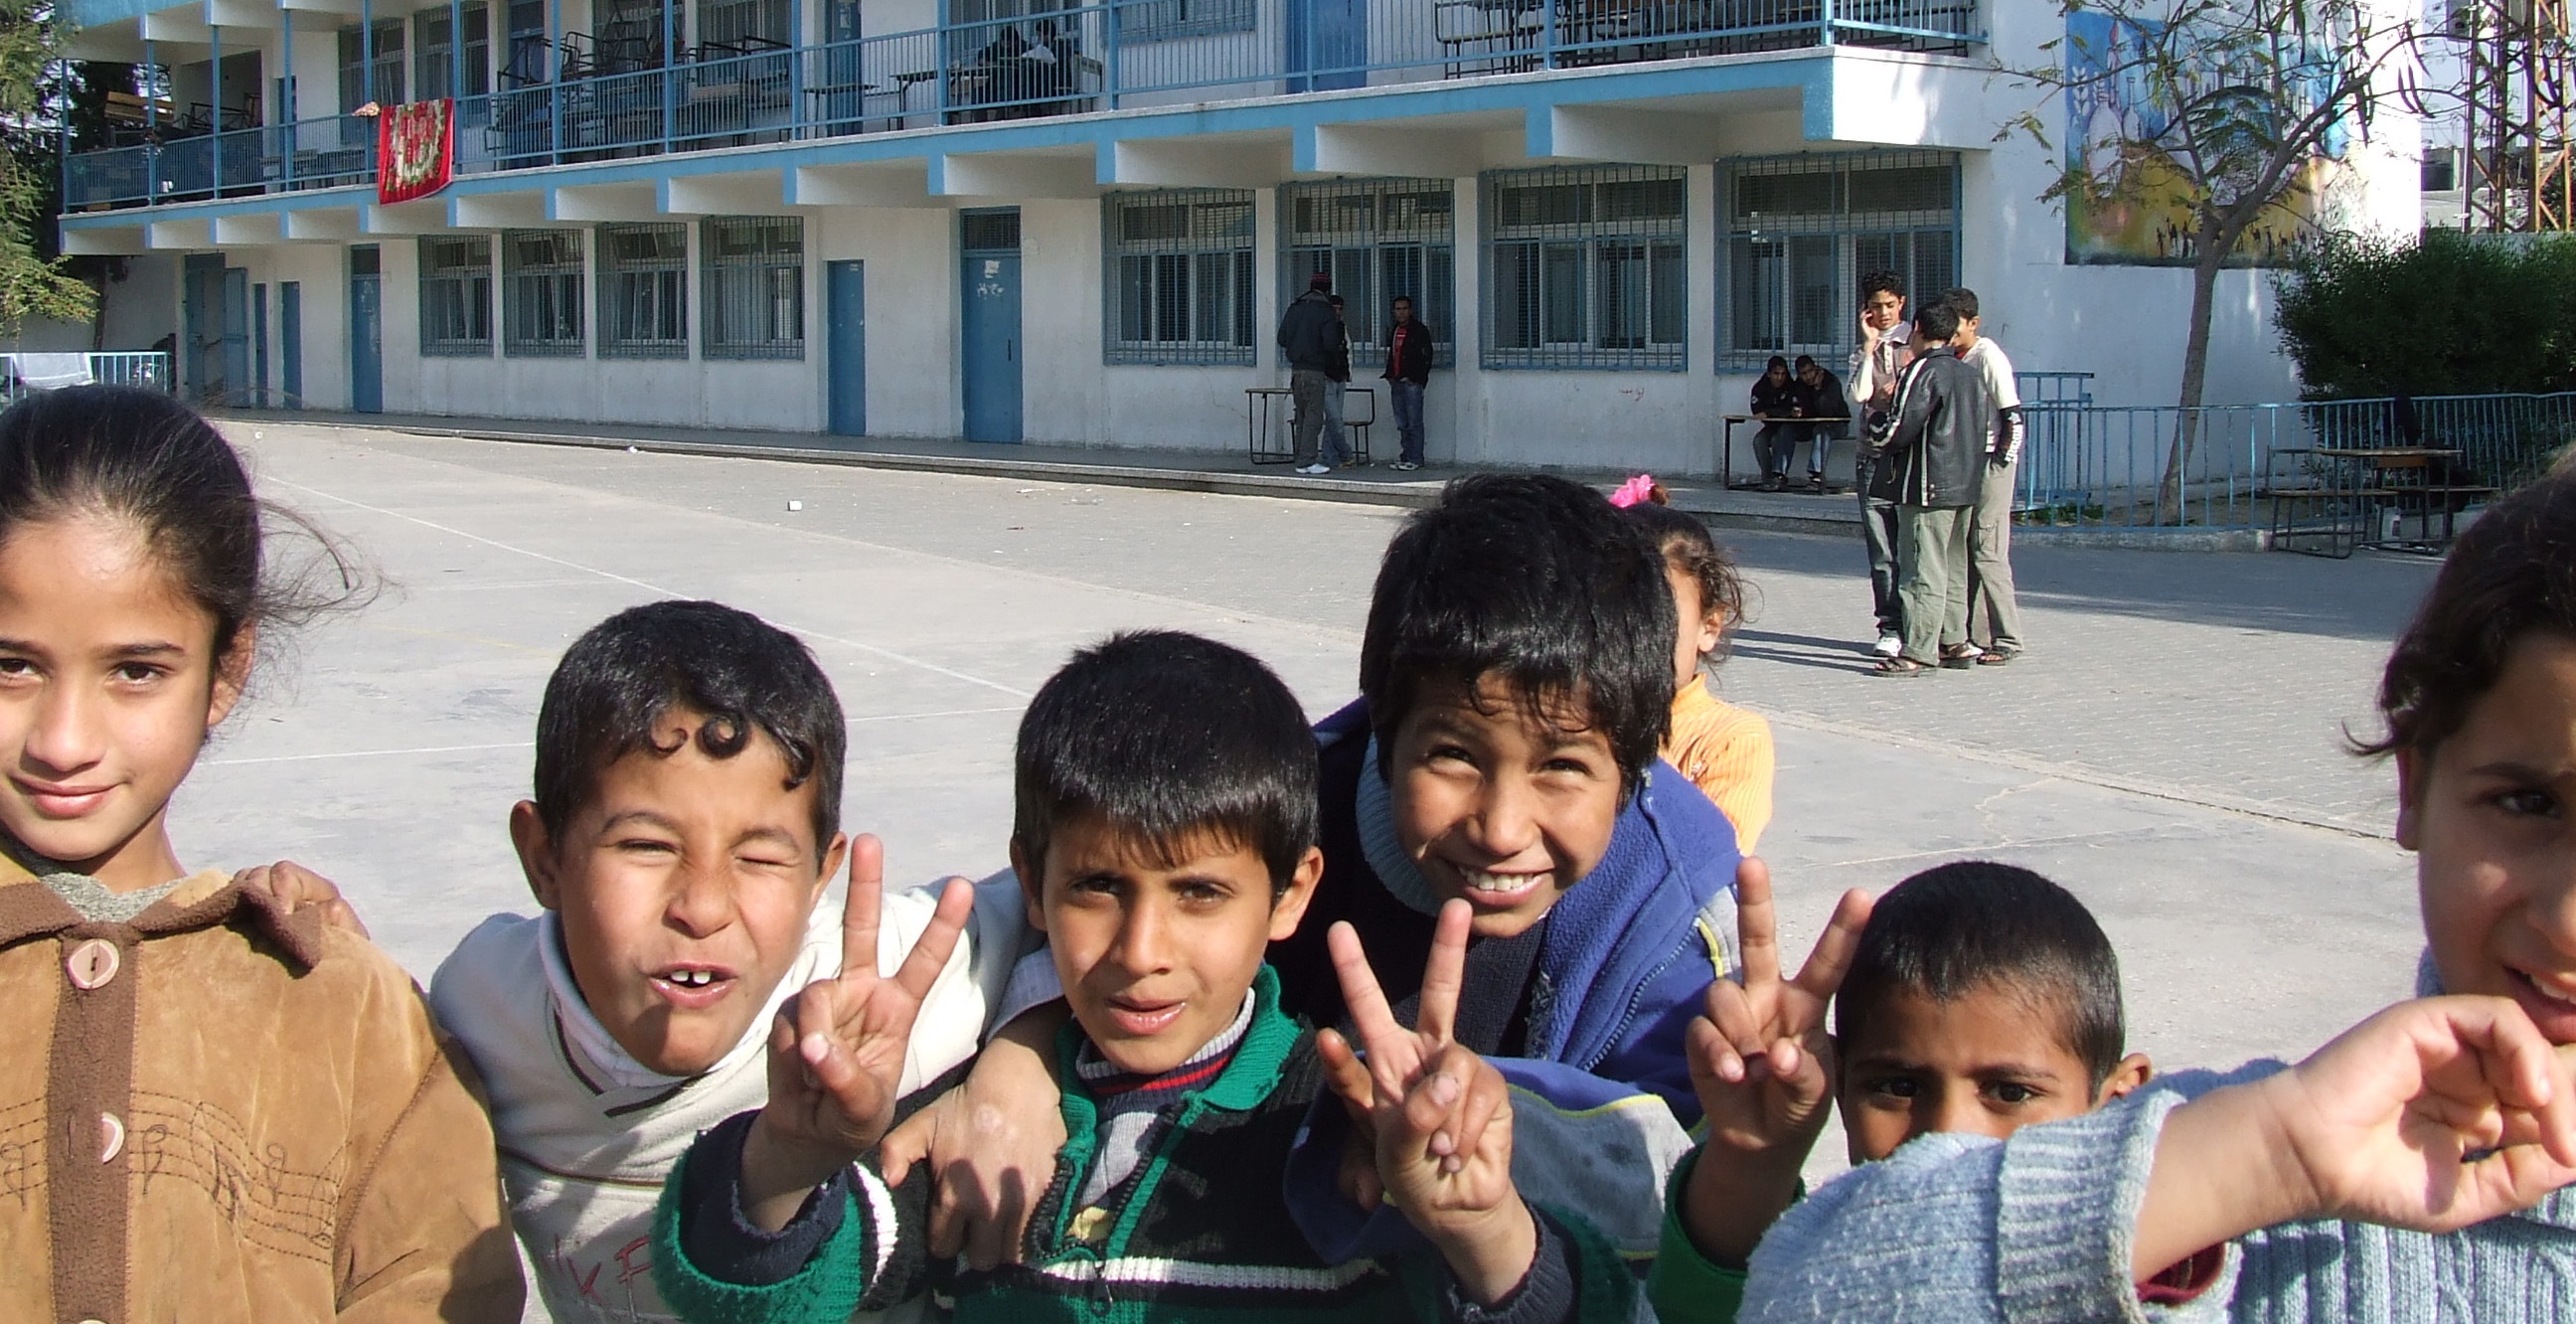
(1314, 469)
(1889, 645)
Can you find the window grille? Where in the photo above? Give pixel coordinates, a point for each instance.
(541, 302)
(644, 291)
(1381, 239)
(386, 87)
(989, 230)
(1586, 268)
(437, 74)
(1164, 20)
(1802, 230)
(1179, 272)
(754, 292)
(456, 295)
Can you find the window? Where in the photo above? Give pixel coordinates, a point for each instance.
(456, 295)
(1380, 238)
(1802, 230)
(1585, 268)
(541, 293)
(755, 287)
(1162, 20)
(644, 291)
(371, 76)
(1180, 276)
(437, 73)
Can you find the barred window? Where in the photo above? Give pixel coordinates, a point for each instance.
(1802, 230)
(644, 291)
(1586, 268)
(754, 291)
(456, 295)
(1163, 20)
(1382, 239)
(541, 293)
(1179, 273)
(437, 72)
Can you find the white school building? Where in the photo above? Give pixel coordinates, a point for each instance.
(1069, 223)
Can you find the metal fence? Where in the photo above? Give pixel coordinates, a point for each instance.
(149, 369)
(2222, 467)
(1123, 53)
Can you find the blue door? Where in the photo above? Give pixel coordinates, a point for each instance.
(1329, 37)
(366, 332)
(259, 344)
(290, 342)
(989, 348)
(846, 348)
(201, 312)
(236, 334)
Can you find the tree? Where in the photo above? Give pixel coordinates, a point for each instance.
(2239, 96)
(33, 283)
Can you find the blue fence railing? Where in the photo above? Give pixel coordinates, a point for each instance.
(146, 368)
(1102, 56)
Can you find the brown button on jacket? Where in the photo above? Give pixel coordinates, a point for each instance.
(219, 1113)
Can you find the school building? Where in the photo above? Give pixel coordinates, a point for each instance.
(1074, 223)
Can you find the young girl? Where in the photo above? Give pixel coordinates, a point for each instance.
(1722, 748)
(2410, 1170)
(209, 1110)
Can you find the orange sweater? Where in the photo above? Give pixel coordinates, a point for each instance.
(1727, 751)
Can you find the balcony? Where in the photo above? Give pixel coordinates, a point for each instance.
(1119, 54)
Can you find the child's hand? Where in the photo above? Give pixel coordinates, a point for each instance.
(1762, 1066)
(2432, 1115)
(1425, 1094)
(836, 1051)
(294, 887)
(992, 1143)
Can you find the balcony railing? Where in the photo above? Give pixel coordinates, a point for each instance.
(1123, 53)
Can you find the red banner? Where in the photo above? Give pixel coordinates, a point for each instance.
(415, 150)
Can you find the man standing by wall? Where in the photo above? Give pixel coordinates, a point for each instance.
(1938, 432)
(1408, 370)
(1874, 365)
(1994, 615)
(1337, 386)
(1306, 335)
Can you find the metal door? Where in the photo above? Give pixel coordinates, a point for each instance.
(846, 348)
(1329, 37)
(201, 316)
(366, 332)
(235, 321)
(259, 345)
(290, 342)
(989, 348)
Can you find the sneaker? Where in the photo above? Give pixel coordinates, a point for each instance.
(1888, 645)
(1406, 466)
(1314, 470)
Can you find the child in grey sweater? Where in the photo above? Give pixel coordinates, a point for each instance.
(2412, 1170)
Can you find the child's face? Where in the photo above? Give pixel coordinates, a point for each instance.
(683, 888)
(1989, 1063)
(1700, 627)
(2487, 815)
(108, 685)
(1498, 806)
(1156, 959)
(1883, 310)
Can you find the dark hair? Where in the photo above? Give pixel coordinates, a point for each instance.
(1333, 299)
(1776, 362)
(1936, 322)
(1881, 282)
(143, 457)
(1167, 736)
(1402, 298)
(2511, 573)
(1962, 301)
(1319, 280)
(738, 671)
(1536, 580)
(1949, 931)
(1685, 542)
(1806, 361)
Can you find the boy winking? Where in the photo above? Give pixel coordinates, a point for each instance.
(1164, 836)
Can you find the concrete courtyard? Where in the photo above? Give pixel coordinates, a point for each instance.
(2171, 749)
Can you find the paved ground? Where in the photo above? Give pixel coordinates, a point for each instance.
(2171, 748)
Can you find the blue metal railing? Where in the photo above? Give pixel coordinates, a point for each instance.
(1104, 56)
(146, 368)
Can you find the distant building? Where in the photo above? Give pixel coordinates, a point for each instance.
(1018, 219)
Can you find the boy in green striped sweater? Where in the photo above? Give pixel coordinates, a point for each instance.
(1164, 835)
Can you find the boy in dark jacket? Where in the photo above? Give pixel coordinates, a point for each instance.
(1309, 334)
(1408, 370)
(1930, 463)
(1164, 835)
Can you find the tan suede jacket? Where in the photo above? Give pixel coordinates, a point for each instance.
(220, 1113)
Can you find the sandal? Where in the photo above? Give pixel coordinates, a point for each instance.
(1996, 657)
(1900, 666)
(1960, 657)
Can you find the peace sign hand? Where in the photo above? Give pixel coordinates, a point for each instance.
(836, 1050)
(1441, 1114)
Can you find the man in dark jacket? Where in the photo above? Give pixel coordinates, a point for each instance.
(1310, 336)
(1930, 463)
(1408, 370)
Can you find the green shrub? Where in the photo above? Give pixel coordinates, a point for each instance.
(2443, 313)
